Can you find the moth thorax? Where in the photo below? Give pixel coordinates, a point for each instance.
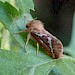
(35, 24)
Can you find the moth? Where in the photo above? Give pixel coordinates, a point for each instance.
(50, 44)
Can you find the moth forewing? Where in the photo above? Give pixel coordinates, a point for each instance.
(41, 43)
(50, 44)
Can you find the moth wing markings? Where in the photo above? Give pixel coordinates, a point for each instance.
(43, 42)
(45, 39)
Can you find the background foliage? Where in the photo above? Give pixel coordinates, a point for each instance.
(13, 58)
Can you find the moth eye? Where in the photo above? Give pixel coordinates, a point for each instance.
(27, 26)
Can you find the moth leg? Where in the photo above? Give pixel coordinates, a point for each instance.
(37, 48)
(28, 37)
(21, 31)
(25, 48)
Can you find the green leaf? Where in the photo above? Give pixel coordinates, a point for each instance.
(7, 14)
(3, 15)
(11, 11)
(66, 66)
(5, 44)
(18, 63)
(15, 63)
(5, 0)
(25, 5)
(13, 22)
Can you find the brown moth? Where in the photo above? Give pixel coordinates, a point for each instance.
(50, 44)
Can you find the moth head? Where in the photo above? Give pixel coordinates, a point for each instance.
(34, 25)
